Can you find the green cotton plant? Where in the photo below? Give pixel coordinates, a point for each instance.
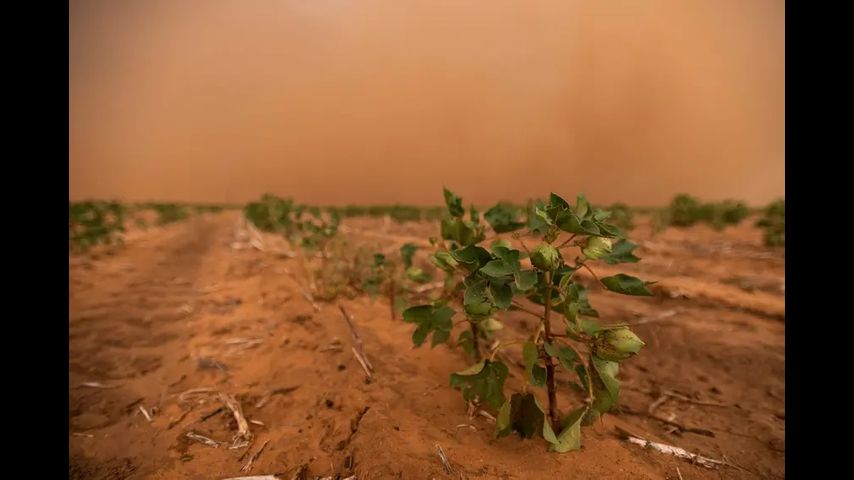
(102, 222)
(307, 226)
(622, 216)
(313, 229)
(170, 213)
(685, 210)
(166, 212)
(504, 217)
(271, 214)
(92, 223)
(354, 270)
(398, 213)
(398, 280)
(567, 340)
(773, 222)
(202, 209)
(350, 271)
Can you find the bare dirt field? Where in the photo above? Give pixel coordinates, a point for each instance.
(162, 326)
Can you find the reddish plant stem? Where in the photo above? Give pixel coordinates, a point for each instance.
(475, 342)
(550, 367)
(567, 241)
(592, 273)
(523, 309)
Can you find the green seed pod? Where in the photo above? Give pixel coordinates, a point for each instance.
(545, 257)
(491, 325)
(617, 344)
(597, 247)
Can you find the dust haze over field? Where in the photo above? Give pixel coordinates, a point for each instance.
(379, 102)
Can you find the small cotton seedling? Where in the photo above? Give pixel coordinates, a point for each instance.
(483, 282)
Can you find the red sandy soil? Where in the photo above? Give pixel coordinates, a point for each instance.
(178, 308)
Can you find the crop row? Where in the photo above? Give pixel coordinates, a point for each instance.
(92, 223)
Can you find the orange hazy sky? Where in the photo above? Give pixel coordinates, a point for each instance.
(333, 101)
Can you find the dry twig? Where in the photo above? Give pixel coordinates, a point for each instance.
(358, 348)
(268, 395)
(211, 414)
(176, 421)
(203, 439)
(243, 341)
(334, 346)
(444, 457)
(311, 301)
(255, 477)
(656, 318)
(242, 425)
(248, 466)
(194, 394)
(657, 403)
(145, 413)
(97, 385)
(670, 450)
(487, 416)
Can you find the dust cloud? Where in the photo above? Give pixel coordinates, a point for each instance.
(333, 101)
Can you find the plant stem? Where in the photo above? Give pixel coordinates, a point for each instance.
(502, 345)
(475, 342)
(589, 369)
(592, 273)
(550, 368)
(567, 241)
(523, 309)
